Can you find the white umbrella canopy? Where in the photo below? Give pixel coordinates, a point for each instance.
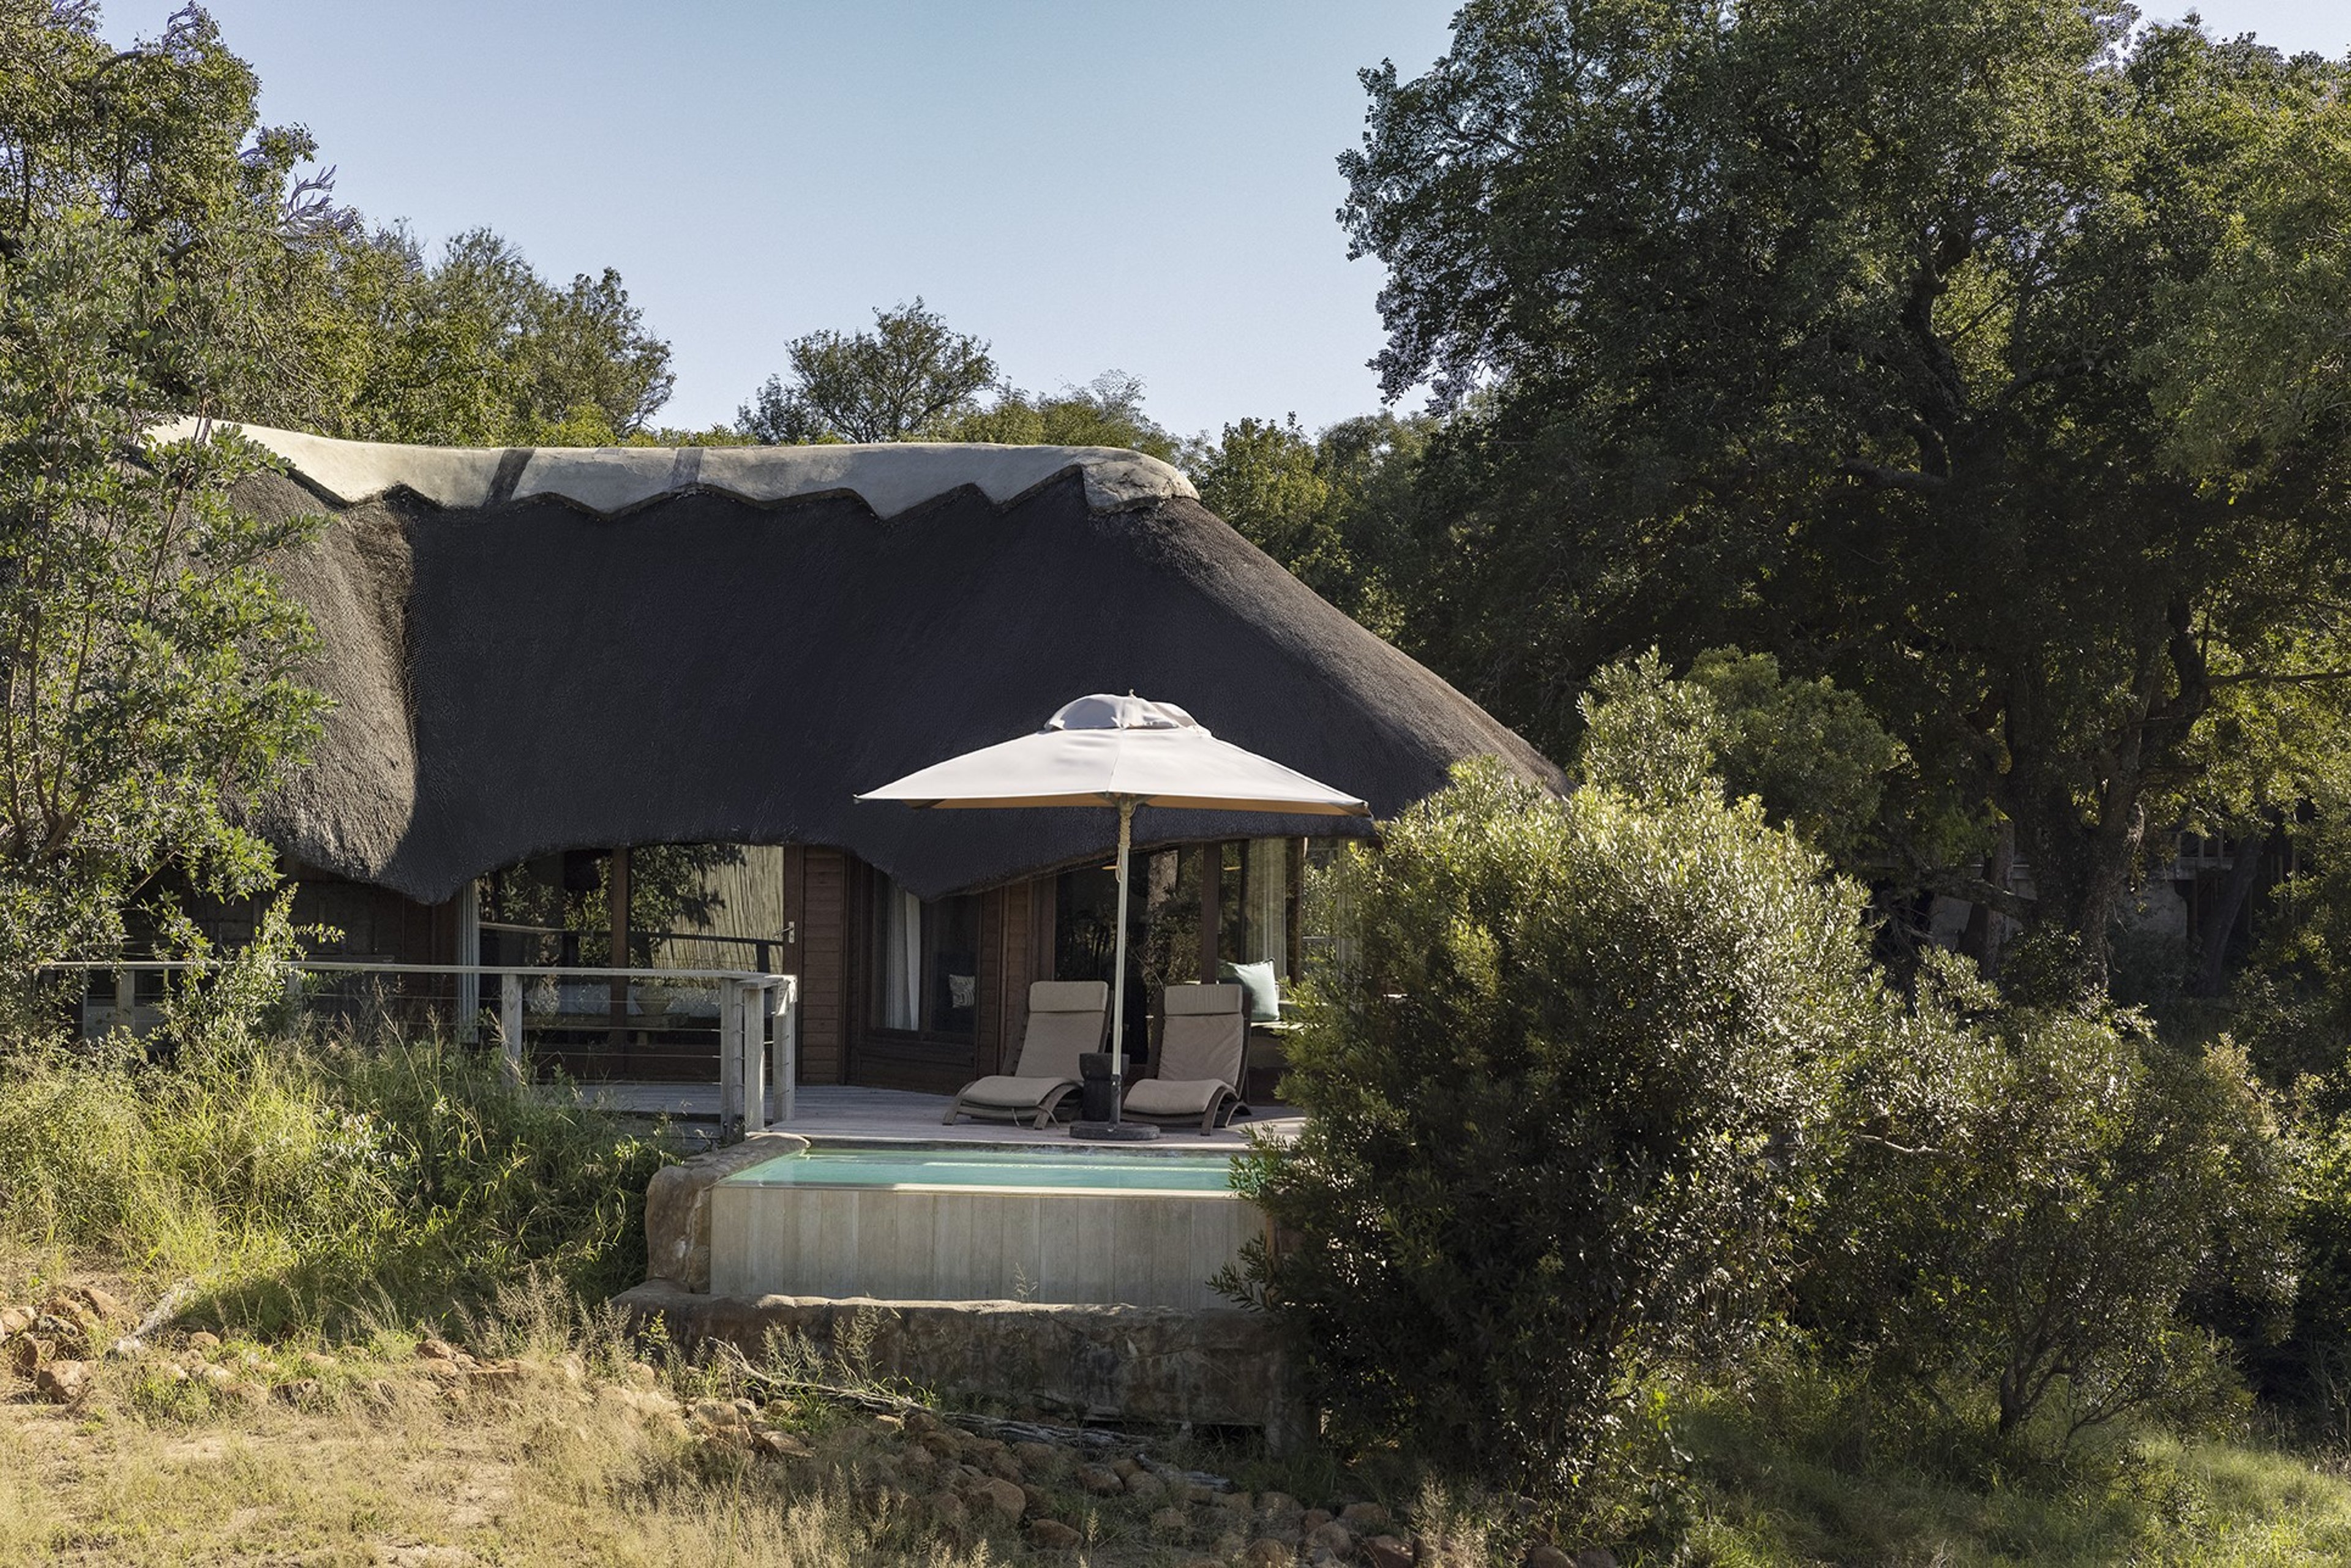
(1099, 750)
(1105, 750)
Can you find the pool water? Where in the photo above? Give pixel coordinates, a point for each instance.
(990, 1168)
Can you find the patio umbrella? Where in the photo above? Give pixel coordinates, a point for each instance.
(1126, 752)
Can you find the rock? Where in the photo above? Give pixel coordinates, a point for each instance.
(1541, 1554)
(1267, 1552)
(109, 1308)
(1387, 1552)
(1332, 1537)
(1100, 1482)
(62, 1382)
(1277, 1502)
(714, 1413)
(1125, 1465)
(243, 1391)
(1228, 1546)
(16, 1319)
(889, 1423)
(1315, 1519)
(1360, 1517)
(1233, 1502)
(948, 1510)
(1003, 1465)
(1006, 1497)
(437, 1350)
(748, 1410)
(1053, 1535)
(1171, 1524)
(203, 1342)
(1596, 1557)
(26, 1353)
(942, 1442)
(303, 1393)
(1145, 1486)
(1036, 1456)
(780, 1445)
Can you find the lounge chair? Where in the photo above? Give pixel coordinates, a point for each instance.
(1066, 1020)
(1203, 1049)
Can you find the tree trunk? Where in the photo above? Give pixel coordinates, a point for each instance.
(2220, 921)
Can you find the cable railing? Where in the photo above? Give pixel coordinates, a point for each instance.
(585, 1012)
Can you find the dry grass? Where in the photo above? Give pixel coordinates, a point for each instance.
(550, 1474)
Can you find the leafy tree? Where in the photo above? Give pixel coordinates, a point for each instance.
(1105, 412)
(477, 348)
(1330, 506)
(2035, 1196)
(1563, 1100)
(1975, 356)
(147, 654)
(1810, 754)
(909, 379)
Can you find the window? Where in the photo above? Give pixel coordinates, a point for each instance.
(924, 962)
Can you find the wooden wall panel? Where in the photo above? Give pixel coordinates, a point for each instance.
(815, 898)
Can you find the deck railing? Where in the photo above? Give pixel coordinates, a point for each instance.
(757, 1017)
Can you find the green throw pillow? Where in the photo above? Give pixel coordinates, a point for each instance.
(1264, 991)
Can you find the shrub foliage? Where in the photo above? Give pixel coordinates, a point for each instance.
(1564, 1095)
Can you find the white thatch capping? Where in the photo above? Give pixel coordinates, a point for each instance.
(891, 478)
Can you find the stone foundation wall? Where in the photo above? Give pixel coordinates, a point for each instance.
(1217, 1367)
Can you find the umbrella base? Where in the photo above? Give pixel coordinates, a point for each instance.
(1114, 1131)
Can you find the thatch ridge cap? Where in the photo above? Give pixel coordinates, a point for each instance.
(890, 477)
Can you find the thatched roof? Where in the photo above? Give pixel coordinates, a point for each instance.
(533, 650)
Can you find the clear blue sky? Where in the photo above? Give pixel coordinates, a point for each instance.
(1111, 183)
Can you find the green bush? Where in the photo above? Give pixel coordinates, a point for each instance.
(1563, 1100)
(2032, 1197)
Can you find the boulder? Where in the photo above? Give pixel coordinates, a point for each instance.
(1387, 1552)
(1008, 1501)
(1146, 1487)
(62, 1382)
(1332, 1537)
(1053, 1535)
(1101, 1480)
(1267, 1552)
(1171, 1524)
(203, 1342)
(1361, 1517)
(780, 1445)
(1596, 1557)
(109, 1308)
(1543, 1554)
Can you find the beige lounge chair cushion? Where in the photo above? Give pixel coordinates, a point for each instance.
(1175, 1098)
(1203, 1033)
(1066, 1020)
(1003, 1093)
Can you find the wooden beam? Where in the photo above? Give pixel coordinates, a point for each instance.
(1212, 908)
(616, 898)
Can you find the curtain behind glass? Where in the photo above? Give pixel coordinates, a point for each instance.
(902, 957)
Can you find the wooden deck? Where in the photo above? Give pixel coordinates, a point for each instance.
(837, 1110)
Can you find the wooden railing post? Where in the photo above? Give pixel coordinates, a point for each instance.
(755, 1057)
(788, 1047)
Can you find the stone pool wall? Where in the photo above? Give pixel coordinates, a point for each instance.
(1206, 1366)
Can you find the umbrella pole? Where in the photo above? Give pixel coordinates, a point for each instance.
(1115, 1129)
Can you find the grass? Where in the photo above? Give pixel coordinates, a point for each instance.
(296, 1179)
(1772, 1487)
